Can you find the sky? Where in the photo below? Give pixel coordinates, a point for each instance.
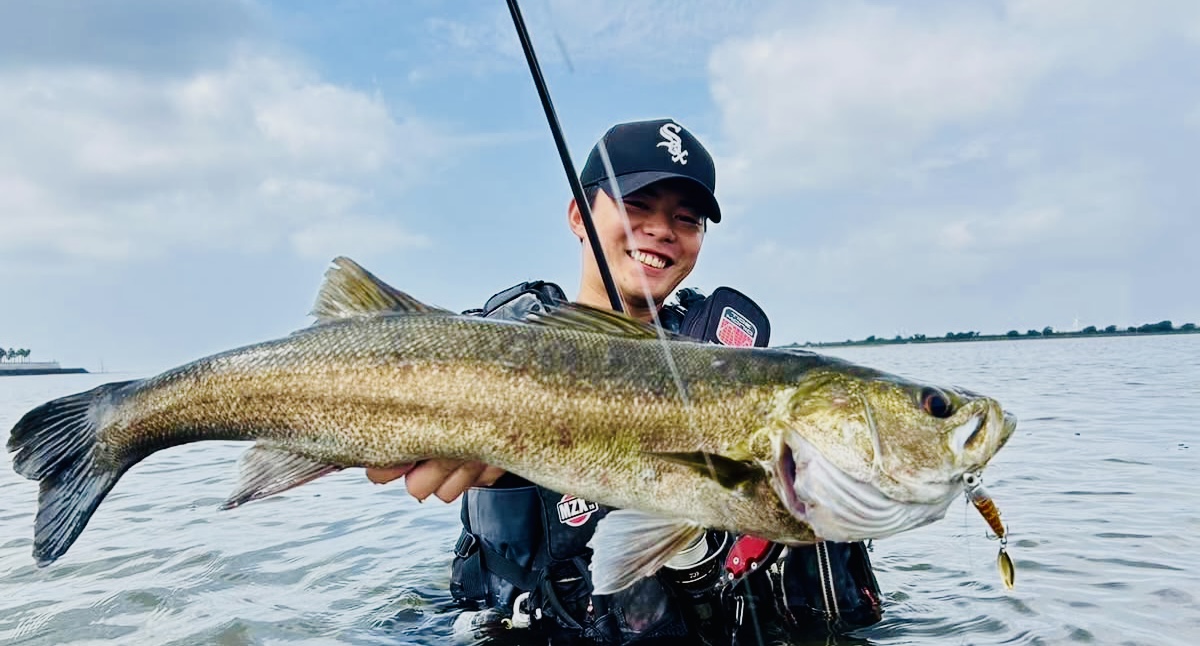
(176, 177)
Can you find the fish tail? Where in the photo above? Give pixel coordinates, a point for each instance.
(55, 444)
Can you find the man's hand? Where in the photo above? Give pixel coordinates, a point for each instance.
(447, 479)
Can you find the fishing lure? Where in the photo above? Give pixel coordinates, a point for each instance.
(973, 486)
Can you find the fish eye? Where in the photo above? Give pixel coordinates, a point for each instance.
(936, 403)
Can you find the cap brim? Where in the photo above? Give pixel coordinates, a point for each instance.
(631, 182)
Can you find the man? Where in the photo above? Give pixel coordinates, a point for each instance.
(523, 548)
(672, 240)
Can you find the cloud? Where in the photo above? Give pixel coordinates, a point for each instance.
(659, 38)
(1097, 37)
(106, 164)
(355, 237)
(1085, 216)
(147, 35)
(935, 267)
(1192, 118)
(853, 90)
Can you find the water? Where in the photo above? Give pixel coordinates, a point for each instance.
(1098, 488)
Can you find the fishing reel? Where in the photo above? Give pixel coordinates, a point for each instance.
(696, 574)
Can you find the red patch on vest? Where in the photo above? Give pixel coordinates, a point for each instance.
(735, 329)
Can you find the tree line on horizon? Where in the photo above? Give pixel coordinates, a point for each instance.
(1162, 327)
(13, 354)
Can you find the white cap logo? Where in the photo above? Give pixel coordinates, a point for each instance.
(670, 135)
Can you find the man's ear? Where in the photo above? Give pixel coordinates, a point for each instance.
(575, 221)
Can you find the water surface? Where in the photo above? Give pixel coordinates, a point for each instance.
(1098, 486)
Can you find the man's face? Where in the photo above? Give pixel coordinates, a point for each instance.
(668, 229)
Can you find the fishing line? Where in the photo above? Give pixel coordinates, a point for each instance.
(669, 358)
(585, 213)
(585, 209)
(645, 284)
(558, 39)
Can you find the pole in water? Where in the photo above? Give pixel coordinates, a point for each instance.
(585, 209)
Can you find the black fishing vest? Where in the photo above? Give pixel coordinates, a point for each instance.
(523, 549)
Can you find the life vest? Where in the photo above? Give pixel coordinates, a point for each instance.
(523, 549)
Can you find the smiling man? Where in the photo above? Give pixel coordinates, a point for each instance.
(666, 180)
(523, 556)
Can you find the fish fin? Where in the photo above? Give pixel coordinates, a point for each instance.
(55, 444)
(728, 472)
(266, 471)
(585, 318)
(350, 291)
(630, 544)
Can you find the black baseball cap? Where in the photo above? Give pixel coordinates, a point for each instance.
(644, 152)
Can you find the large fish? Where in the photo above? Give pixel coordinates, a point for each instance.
(790, 446)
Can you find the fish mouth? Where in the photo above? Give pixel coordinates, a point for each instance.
(1009, 425)
(840, 507)
(977, 441)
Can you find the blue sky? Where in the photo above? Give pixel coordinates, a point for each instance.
(175, 177)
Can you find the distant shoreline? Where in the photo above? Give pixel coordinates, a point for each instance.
(985, 337)
(38, 368)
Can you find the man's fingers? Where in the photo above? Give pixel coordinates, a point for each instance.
(462, 479)
(446, 478)
(489, 476)
(428, 476)
(383, 476)
(470, 474)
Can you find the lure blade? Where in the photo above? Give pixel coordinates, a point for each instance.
(1008, 573)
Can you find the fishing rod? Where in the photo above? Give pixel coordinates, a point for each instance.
(585, 212)
(585, 209)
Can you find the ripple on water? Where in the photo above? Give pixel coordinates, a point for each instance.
(1174, 595)
(1147, 565)
(342, 561)
(1080, 635)
(67, 625)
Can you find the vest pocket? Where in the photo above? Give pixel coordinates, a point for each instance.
(494, 556)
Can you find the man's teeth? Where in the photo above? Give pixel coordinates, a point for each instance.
(648, 259)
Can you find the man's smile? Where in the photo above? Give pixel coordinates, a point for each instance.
(650, 259)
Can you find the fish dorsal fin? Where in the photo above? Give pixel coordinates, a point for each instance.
(350, 291)
(585, 318)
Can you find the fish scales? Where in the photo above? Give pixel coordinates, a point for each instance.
(380, 393)
(789, 446)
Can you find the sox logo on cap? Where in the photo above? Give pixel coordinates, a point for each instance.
(670, 135)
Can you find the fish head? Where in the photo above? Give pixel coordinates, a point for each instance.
(861, 454)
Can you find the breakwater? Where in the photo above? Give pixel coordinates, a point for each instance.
(36, 368)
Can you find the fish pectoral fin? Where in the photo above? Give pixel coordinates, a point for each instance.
(629, 545)
(350, 291)
(728, 472)
(266, 471)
